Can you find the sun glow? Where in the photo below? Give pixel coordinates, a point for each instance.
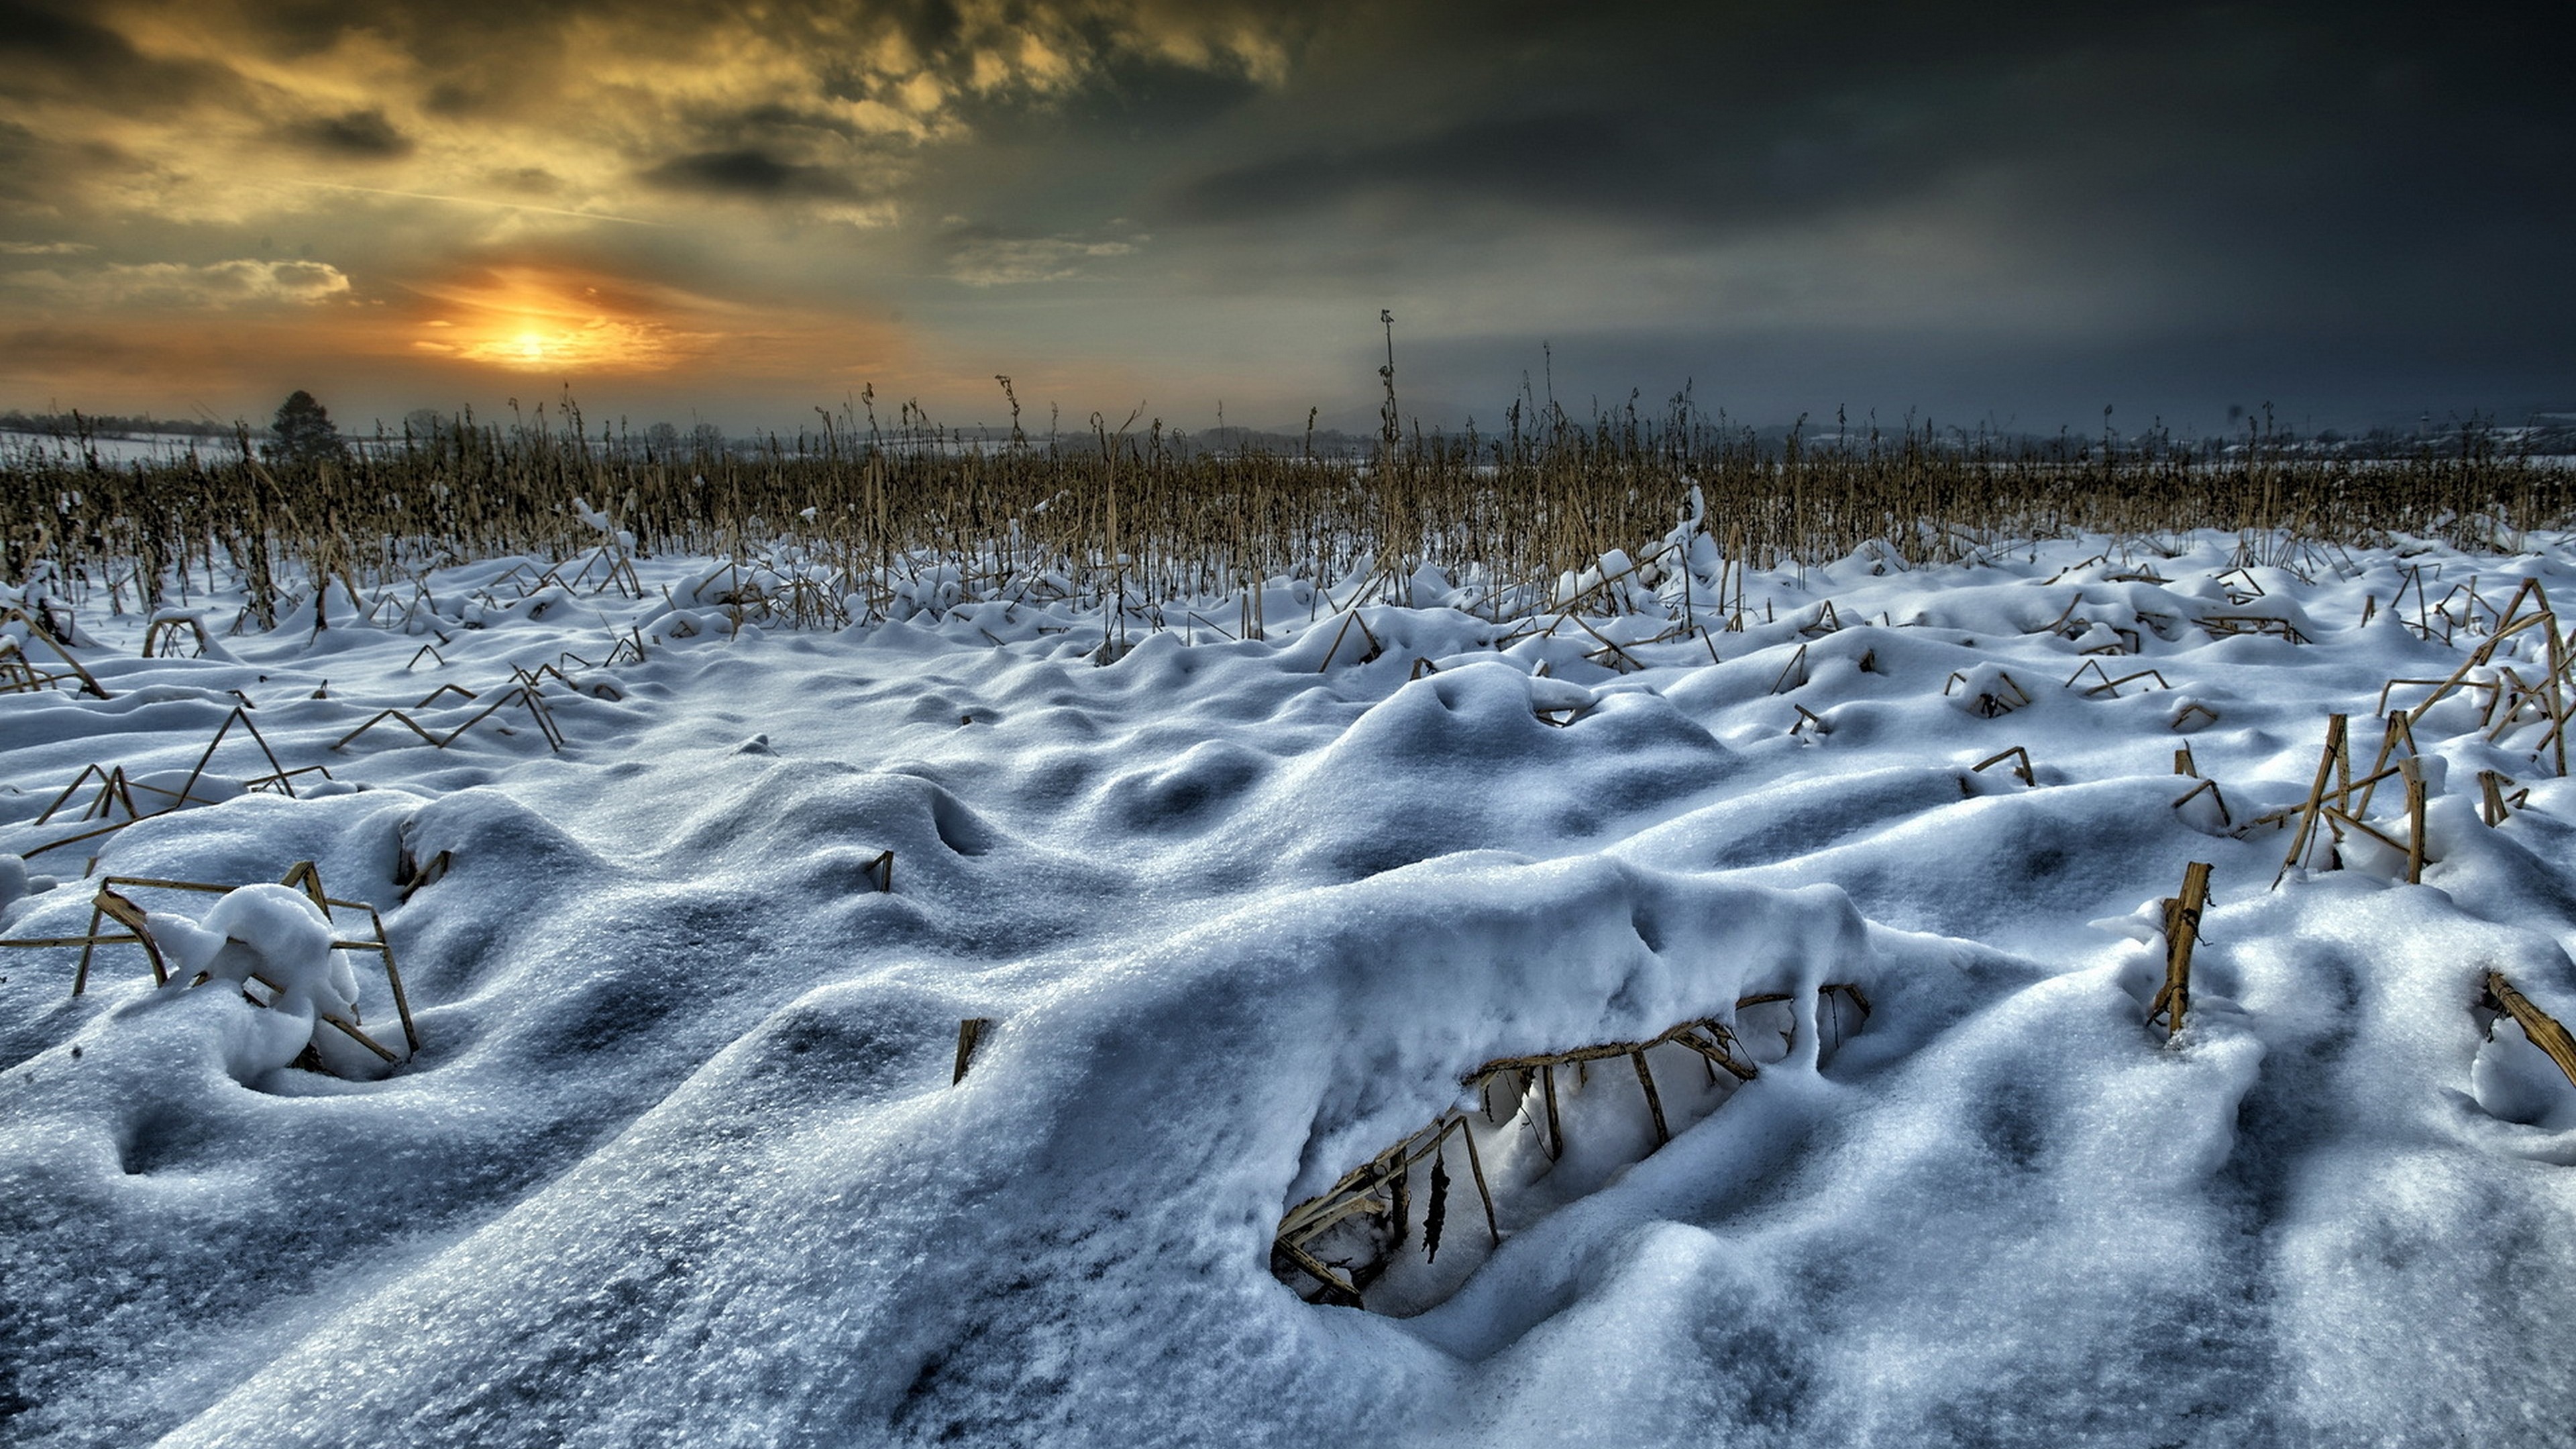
(526, 319)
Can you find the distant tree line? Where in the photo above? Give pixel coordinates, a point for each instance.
(77, 424)
(302, 433)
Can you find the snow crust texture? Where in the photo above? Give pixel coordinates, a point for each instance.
(680, 1160)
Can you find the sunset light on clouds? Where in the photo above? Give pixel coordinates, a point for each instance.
(669, 205)
(535, 321)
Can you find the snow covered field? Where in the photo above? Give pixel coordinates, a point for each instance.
(679, 1158)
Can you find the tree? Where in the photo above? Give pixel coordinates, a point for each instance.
(305, 432)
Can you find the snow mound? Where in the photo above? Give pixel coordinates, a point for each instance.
(680, 1160)
(272, 944)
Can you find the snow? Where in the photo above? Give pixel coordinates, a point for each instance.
(114, 450)
(679, 1159)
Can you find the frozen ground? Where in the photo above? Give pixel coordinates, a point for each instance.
(679, 1160)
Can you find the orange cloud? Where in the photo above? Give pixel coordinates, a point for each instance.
(533, 319)
(480, 333)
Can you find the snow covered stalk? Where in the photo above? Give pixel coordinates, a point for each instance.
(1654, 1099)
(2510, 621)
(2494, 804)
(2182, 931)
(2022, 767)
(1378, 1194)
(302, 962)
(2412, 769)
(970, 1032)
(17, 629)
(2538, 1026)
(2336, 752)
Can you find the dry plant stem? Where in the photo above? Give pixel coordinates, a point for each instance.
(2315, 806)
(413, 879)
(1555, 1131)
(970, 1033)
(1654, 1099)
(2022, 768)
(2112, 686)
(112, 903)
(2553, 699)
(2226, 817)
(2538, 1026)
(522, 694)
(2494, 804)
(2414, 773)
(1147, 526)
(113, 790)
(38, 630)
(2182, 931)
(1797, 664)
(116, 782)
(1379, 1188)
(162, 631)
(2398, 732)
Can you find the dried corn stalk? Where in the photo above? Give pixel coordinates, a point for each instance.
(1376, 1197)
(113, 904)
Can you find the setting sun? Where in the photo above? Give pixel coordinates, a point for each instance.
(527, 318)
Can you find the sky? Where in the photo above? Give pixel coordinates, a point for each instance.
(740, 211)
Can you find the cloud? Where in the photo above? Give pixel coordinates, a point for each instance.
(68, 349)
(750, 172)
(993, 261)
(818, 110)
(525, 180)
(1541, 158)
(54, 52)
(2018, 172)
(176, 284)
(364, 135)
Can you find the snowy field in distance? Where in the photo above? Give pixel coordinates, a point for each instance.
(679, 1159)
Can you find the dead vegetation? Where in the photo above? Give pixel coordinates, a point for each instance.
(120, 799)
(2538, 1027)
(114, 903)
(856, 523)
(1333, 1246)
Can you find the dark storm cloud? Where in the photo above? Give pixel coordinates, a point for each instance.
(2357, 374)
(55, 51)
(748, 172)
(525, 180)
(930, 25)
(2376, 195)
(1633, 163)
(22, 153)
(41, 32)
(1718, 115)
(1518, 158)
(69, 348)
(1130, 100)
(364, 135)
(37, 170)
(2007, 200)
